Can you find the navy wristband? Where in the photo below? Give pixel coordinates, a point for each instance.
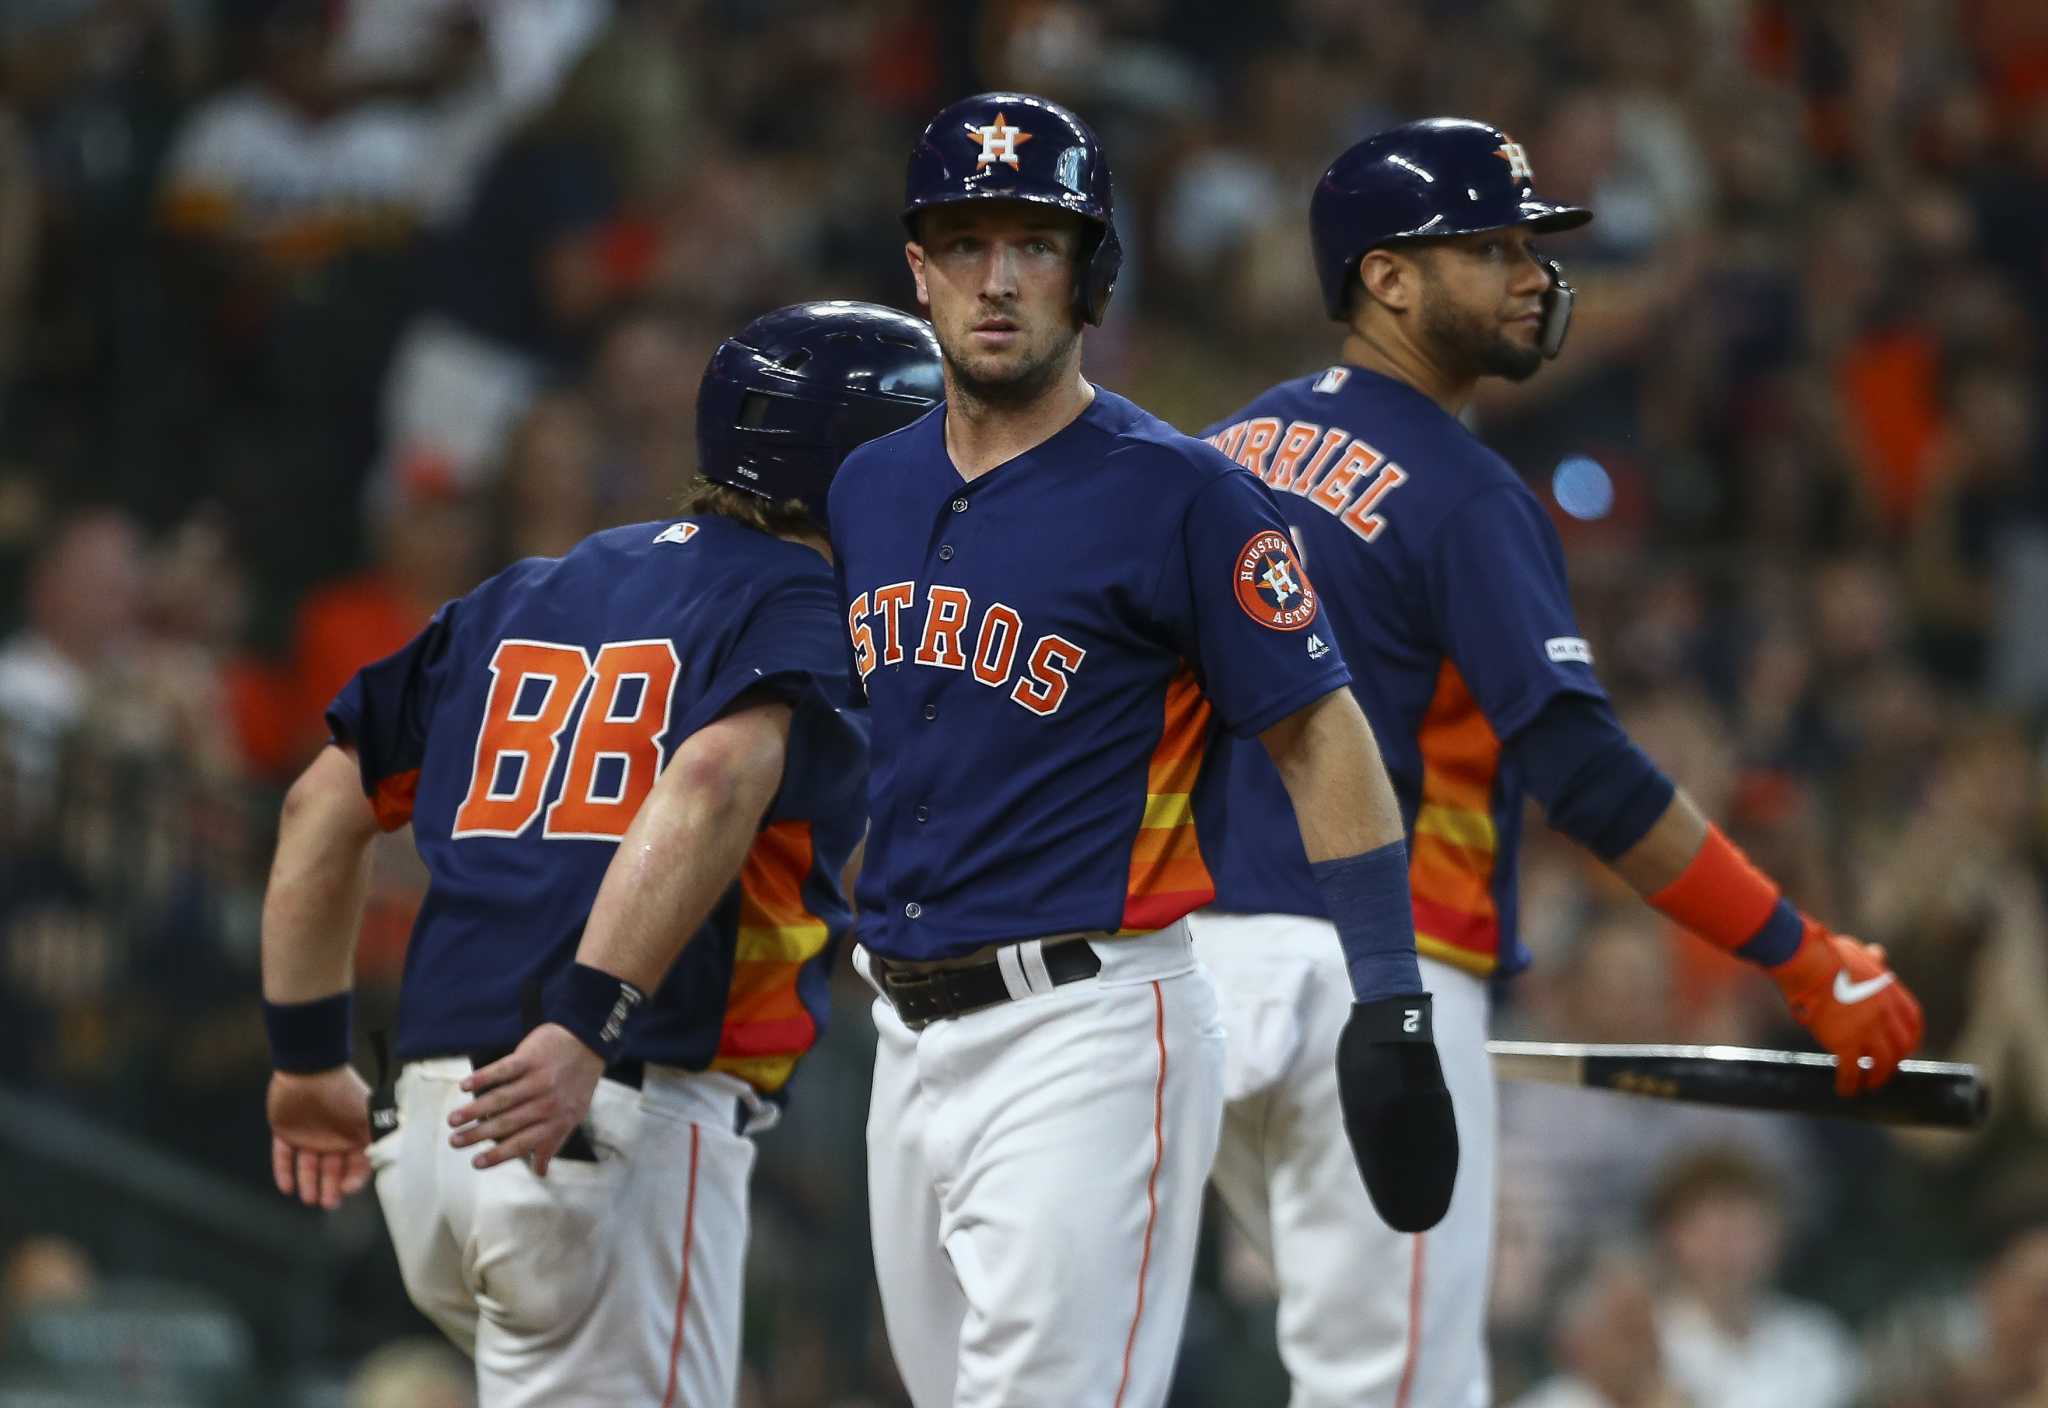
(308, 1037)
(1779, 937)
(1367, 899)
(594, 1005)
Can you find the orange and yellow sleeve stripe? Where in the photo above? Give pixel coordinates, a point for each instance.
(767, 1026)
(1168, 876)
(1452, 852)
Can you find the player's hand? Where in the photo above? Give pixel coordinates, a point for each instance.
(319, 1130)
(1855, 1006)
(1397, 1111)
(529, 1102)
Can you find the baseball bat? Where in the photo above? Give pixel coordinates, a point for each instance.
(1931, 1094)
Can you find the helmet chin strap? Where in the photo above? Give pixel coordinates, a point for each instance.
(1557, 311)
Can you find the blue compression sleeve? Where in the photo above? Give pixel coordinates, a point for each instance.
(1595, 785)
(1367, 898)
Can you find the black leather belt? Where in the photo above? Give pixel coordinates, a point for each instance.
(921, 996)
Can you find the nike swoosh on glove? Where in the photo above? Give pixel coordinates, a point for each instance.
(1842, 992)
(1397, 1111)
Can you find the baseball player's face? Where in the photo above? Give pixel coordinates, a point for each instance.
(1482, 302)
(998, 278)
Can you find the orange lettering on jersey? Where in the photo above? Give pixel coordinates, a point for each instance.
(945, 613)
(890, 601)
(1306, 480)
(863, 636)
(533, 688)
(1359, 460)
(1293, 445)
(995, 650)
(1229, 438)
(1361, 519)
(1258, 439)
(1043, 686)
(617, 753)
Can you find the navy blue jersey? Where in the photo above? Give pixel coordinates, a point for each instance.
(1444, 585)
(522, 729)
(1043, 650)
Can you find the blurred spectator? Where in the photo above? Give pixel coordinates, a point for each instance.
(1731, 1341)
(475, 69)
(551, 496)
(1577, 1164)
(282, 173)
(413, 1373)
(41, 1272)
(1604, 1341)
(84, 610)
(644, 390)
(553, 236)
(429, 546)
(1985, 482)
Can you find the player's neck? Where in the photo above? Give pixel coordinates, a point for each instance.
(981, 435)
(816, 542)
(1404, 362)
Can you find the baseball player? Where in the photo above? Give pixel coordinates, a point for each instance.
(1049, 595)
(1444, 586)
(649, 724)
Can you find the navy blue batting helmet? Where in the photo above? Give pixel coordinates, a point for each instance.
(788, 396)
(1440, 176)
(1013, 146)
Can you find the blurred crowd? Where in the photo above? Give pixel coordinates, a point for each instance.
(315, 312)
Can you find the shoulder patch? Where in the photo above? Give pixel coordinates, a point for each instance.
(676, 533)
(1271, 585)
(1329, 381)
(1568, 650)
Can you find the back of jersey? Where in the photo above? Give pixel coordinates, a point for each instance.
(521, 731)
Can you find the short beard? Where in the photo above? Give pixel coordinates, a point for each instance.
(1019, 388)
(1474, 348)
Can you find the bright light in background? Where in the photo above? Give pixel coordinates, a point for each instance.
(1582, 488)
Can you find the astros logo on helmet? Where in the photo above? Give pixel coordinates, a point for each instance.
(999, 141)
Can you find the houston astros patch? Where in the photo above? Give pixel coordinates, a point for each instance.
(1271, 587)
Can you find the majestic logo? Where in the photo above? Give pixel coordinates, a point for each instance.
(676, 533)
(1271, 586)
(1518, 160)
(1568, 650)
(1317, 646)
(999, 142)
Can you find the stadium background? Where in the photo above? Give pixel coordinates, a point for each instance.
(312, 314)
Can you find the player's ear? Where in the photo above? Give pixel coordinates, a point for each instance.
(1387, 279)
(913, 253)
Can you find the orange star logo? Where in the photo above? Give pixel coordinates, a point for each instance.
(1518, 160)
(999, 141)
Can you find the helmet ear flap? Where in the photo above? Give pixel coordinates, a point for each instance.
(1095, 271)
(1557, 310)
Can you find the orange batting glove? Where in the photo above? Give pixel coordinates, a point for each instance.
(1842, 992)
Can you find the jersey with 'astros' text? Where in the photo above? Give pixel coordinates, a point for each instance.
(1042, 652)
(1443, 582)
(522, 729)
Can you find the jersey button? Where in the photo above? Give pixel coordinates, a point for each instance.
(959, 505)
(931, 711)
(923, 813)
(945, 552)
(913, 910)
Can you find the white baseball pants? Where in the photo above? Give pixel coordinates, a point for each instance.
(1369, 1317)
(610, 1282)
(1035, 1179)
